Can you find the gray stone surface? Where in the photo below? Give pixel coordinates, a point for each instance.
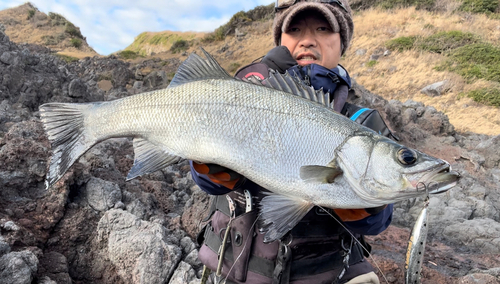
(18, 267)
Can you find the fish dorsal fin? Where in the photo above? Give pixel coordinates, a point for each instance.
(195, 68)
(149, 158)
(279, 214)
(292, 84)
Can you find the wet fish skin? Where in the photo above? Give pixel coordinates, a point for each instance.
(416, 247)
(295, 146)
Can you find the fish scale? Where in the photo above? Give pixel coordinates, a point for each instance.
(294, 145)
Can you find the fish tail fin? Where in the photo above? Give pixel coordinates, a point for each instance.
(64, 125)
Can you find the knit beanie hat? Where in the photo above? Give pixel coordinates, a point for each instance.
(339, 19)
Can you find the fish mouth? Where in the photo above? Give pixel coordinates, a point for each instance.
(439, 180)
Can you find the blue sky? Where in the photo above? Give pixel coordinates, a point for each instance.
(111, 25)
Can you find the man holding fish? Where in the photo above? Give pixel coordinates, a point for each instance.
(311, 37)
(298, 179)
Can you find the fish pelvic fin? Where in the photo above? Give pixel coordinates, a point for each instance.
(195, 68)
(279, 214)
(149, 158)
(64, 125)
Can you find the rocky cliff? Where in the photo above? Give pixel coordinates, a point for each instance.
(93, 227)
(26, 24)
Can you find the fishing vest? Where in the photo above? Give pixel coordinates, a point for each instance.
(318, 249)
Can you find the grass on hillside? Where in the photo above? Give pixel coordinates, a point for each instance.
(466, 55)
(128, 54)
(259, 13)
(66, 58)
(475, 61)
(488, 96)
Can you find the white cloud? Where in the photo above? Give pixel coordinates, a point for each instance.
(111, 25)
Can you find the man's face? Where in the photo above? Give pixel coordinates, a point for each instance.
(310, 39)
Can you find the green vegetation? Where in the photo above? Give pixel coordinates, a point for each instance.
(419, 4)
(236, 20)
(233, 67)
(170, 75)
(371, 63)
(479, 6)
(66, 58)
(401, 43)
(31, 13)
(487, 96)
(128, 54)
(439, 43)
(73, 31)
(57, 19)
(259, 13)
(76, 42)
(475, 61)
(179, 46)
(166, 39)
(445, 41)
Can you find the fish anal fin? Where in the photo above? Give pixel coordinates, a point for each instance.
(149, 158)
(279, 214)
(322, 174)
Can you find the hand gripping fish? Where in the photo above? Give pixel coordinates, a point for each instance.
(284, 136)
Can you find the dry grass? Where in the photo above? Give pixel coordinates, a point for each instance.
(20, 29)
(402, 75)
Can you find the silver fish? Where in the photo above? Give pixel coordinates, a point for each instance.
(294, 145)
(416, 247)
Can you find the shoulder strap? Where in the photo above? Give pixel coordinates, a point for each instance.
(368, 117)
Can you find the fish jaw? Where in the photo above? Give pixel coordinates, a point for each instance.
(439, 180)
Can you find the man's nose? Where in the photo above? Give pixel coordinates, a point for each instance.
(308, 39)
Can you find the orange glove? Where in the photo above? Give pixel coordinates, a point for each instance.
(218, 174)
(348, 215)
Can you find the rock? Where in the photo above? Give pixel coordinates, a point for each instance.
(46, 280)
(360, 52)
(121, 76)
(8, 58)
(138, 85)
(4, 247)
(140, 250)
(18, 267)
(183, 274)
(102, 195)
(478, 278)
(54, 266)
(435, 89)
(374, 57)
(482, 234)
(77, 89)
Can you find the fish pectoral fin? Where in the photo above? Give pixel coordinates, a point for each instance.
(320, 174)
(149, 158)
(279, 214)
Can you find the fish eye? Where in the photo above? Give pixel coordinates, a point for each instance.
(407, 156)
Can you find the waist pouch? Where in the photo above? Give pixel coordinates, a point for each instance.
(315, 258)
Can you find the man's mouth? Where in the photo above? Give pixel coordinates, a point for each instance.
(306, 58)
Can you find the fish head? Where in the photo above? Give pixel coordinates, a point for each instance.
(387, 172)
